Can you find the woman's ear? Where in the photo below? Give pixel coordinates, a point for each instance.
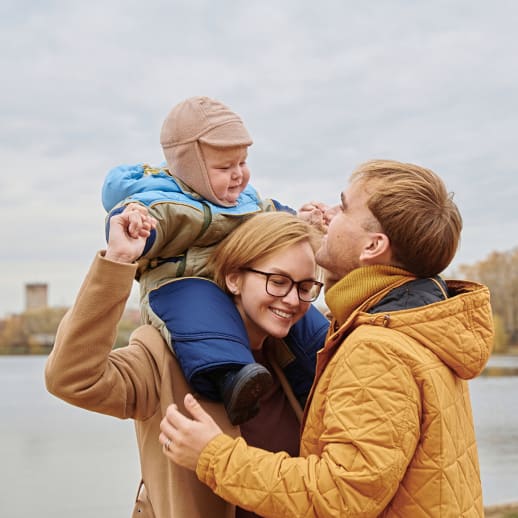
(377, 249)
(233, 281)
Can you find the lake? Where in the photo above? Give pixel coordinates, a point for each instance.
(61, 461)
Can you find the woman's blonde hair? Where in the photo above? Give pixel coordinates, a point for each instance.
(256, 238)
(415, 211)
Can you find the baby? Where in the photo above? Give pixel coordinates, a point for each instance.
(197, 200)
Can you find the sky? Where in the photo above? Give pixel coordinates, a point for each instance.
(321, 86)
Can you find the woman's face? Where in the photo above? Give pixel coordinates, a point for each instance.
(266, 315)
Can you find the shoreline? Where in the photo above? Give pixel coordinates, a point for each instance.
(507, 510)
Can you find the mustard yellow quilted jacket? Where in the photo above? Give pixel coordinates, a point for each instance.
(388, 429)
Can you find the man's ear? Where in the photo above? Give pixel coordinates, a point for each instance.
(233, 281)
(376, 250)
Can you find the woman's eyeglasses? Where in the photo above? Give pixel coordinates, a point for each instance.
(279, 285)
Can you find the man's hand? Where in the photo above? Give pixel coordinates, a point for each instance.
(129, 231)
(183, 438)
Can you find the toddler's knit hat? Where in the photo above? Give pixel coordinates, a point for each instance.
(195, 120)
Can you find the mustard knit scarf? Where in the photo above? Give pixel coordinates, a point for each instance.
(363, 288)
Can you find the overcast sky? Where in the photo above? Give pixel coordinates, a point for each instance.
(322, 86)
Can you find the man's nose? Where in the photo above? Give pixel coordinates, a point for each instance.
(330, 213)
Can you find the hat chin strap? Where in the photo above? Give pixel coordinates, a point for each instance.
(190, 169)
(204, 186)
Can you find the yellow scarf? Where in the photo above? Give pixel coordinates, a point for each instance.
(363, 288)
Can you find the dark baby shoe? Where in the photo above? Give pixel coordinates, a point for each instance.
(242, 389)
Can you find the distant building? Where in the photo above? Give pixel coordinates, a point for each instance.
(36, 296)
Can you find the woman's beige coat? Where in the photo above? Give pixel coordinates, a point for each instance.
(137, 382)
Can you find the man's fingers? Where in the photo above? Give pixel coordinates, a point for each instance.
(173, 417)
(196, 410)
(163, 438)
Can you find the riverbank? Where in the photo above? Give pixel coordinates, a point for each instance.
(502, 511)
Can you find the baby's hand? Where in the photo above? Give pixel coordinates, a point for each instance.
(140, 223)
(129, 231)
(314, 214)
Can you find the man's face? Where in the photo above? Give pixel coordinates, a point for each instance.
(347, 234)
(228, 171)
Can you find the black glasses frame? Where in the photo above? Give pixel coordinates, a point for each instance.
(302, 297)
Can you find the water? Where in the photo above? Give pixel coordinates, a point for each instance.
(495, 411)
(61, 461)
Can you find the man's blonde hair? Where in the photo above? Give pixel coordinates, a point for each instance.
(415, 211)
(256, 238)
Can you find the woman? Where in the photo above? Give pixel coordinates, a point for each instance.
(141, 380)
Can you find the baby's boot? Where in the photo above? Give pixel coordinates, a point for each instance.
(241, 390)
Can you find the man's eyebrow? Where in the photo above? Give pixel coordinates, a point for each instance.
(342, 200)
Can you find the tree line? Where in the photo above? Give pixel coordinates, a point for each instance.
(499, 272)
(34, 331)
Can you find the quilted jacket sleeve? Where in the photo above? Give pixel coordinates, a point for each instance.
(82, 368)
(359, 436)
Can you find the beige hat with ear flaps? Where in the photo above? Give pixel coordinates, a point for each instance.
(195, 120)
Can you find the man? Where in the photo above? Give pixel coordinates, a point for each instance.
(388, 428)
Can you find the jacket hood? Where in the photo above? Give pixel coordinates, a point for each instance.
(459, 330)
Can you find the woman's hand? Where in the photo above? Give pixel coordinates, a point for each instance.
(129, 231)
(183, 438)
